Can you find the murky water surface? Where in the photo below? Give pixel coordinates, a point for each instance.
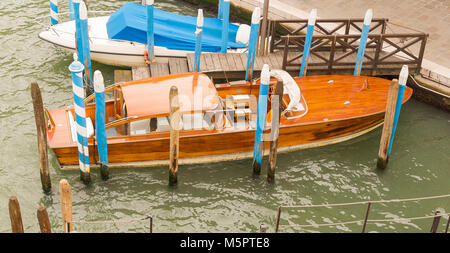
(209, 198)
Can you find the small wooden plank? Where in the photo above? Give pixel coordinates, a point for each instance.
(216, 62)
(140, 72)
(203, 66)
(244, 58)
(239, 64)
(178, 65)
(209, 64)
(223, 61)
(190, 62)
(122, 75)
(231, 63)
(159, 69)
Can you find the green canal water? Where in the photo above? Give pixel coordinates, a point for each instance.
(221, 197)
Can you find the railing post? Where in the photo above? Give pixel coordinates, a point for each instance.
(100, 131)
(82, 139)
(332, 52)
(421, 52)
(54, 20)
(252, 44)
(285, 53)
(225, 25)
(150, 31)
(308, 39)
(261, 120)
(362, 42)
(436, 221)
(198, 40)
(378, 50)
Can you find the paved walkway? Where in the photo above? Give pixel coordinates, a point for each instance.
(429, 16)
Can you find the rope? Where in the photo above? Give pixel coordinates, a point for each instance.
(366, 202)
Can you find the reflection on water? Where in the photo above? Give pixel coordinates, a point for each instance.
(220, 197)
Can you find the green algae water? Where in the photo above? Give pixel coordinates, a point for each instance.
(220, 197)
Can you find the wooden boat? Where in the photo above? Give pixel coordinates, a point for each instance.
(331, 109)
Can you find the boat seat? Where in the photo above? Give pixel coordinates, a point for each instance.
(140, 127)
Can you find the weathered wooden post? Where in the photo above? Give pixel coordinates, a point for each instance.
(150, 32)
(86, 47)
(366, 217)
(44, 222)
(71, 10)
(262, 228)
(402, 79)
(261, 120)
(41, 129)
(436, 221)
(100, 131)
(66, 205)
(307, 47)
(387, 127)
(252, 43)
(54, 20)
(263, 34)
(276, 101)
(174, 135)
(15, 215)
(82, 139)
(225, 25)
(198, 40)
(362, 42)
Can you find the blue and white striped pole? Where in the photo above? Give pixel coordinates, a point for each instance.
(71, 10)
(402, 79)
(261, 119)
(80, 117)
(225, 25)
(86, 47)
(307, 47)
(362, 42)
(150, 31)
(78, 32)
(198, 41)
(252, 43)
(219, 11)
(54, 12)
(100, 132)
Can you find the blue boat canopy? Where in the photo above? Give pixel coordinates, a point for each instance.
(171, 30)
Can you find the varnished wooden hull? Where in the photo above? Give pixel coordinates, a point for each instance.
(223, 146)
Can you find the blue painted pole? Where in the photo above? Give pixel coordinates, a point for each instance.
(307, 47)
(362, 42)
(251, 53)
(150, 31)
(78, 32)
(54, 20)
(225, 25)
(80, 117)
(100, 131)
(86, 47)
(219, 11)
(261, 119)
(71, 10)
(403, 77)
(198, 41)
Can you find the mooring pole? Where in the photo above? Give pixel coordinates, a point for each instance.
(307, 47)
(54, 12)
(71, 10)
(262, 38)
(362, 42)
(86, 48)
(44, 222)
(150, 31)
(276, 101)
(100, 131)
(251, 53)
(387, 127)
(366, 217)
(82, 139)
(15, 215)
(198, 40)
(41, 130)
(78, 31)
(225, 25)
(436, 221)
(277, 224)
(261, 120)
(219, 10)
(402, 79)
(66, 205)
(174, 135)
(262, 228)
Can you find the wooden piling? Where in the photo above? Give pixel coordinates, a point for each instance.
(383, 157)
(277, 225)
(262, 38)
(44, 222)
(15, 215)
(262, 228)
(277, 100)
(66, 205)
(174, 135)
(41, 130)
(436, 221)
(366, 217)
